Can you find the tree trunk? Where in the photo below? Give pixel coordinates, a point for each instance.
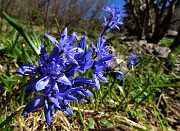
(162, 26)
(176, 41)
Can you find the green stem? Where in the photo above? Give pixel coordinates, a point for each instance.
(164, 86)
(143, 90)
(22, 96)
(23, 91)
(9, 99)
(110, 89)
(80, 114)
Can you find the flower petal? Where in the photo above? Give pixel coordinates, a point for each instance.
(64, 80)
(119, 75)
(33, 104)
(72, 72)
(68, 111)
(42, 83)
(97, 82)
(79, 97)
(54, 54)
(82, 43)
(82, 81)
(48, 115)
(71, 39)
(28, 69)
(52, 39)
(74, 50)
(71, 59)
(54, 101)
(65, 96)
(63, 36)
(101, 77)
(105, 58)
(88, 54)
(87, 92)
(88, 64)
(31, 86)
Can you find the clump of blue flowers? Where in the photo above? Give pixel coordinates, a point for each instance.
(113, 20)
(56, 73)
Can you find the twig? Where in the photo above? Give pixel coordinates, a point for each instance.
(57, 23)
(173, 111)
(159, 100)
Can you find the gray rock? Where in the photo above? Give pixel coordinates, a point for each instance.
(162, 51)
(142, 42)
(171, 34)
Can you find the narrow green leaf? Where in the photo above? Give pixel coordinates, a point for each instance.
(15, 39)
(121, 90)
(27, 36)
(24, 56)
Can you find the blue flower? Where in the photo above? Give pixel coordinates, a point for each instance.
(66, 45)
(51, 83)
(132, 59)
(102, 60)
(100, 48)
(50, 71)
(51, 103)
(55, 80)
(119, 74)
(84, 59)
(114, 18)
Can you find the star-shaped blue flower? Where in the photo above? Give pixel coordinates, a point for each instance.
(66, 45)
(132, 59)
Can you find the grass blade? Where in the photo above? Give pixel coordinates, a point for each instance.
(26, 35)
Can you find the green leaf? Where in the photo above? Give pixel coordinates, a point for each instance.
(109, 125)
(121, 90)
(25, 56)
(91, 121)
(104, 121)
(30, 38)
(15, 40)
(91, 124)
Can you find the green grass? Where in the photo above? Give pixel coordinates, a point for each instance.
(166, 41)
(134, 103)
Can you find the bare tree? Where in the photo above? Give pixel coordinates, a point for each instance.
(75, 12)
(48, 12)
(152, 18)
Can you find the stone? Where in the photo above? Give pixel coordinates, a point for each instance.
(171, 34)
(162, 51)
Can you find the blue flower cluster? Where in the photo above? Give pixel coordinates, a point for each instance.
(114, 18)
(57, 79)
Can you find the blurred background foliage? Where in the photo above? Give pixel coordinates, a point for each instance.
(53, 15)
